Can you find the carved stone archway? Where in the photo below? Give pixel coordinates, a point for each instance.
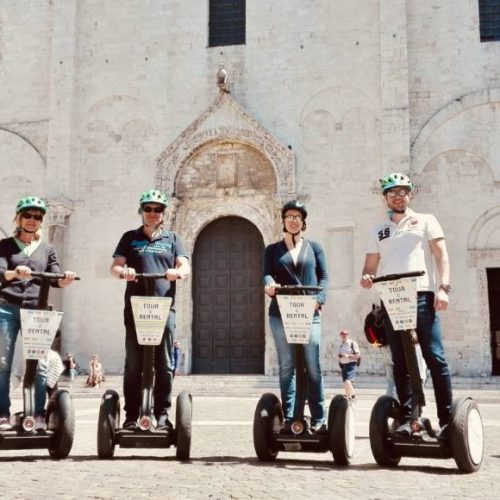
(198, 199)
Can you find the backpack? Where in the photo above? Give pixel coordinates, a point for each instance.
(358, 362)
(374, 327)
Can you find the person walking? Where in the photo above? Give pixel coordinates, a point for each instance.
(408, 241)
(149, 249)
(20, 255)
(349, 357)
(295, 260)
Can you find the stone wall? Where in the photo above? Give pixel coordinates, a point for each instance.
(101, 100)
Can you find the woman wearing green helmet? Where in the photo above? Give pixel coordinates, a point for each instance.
(19, 256)
(151, 248)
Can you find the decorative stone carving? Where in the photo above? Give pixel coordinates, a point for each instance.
(59, 209)
(241, 127)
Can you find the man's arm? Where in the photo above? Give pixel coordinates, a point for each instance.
(440, 254)
(369, 269)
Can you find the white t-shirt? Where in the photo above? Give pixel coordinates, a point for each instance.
(348, 347)
(405, 247)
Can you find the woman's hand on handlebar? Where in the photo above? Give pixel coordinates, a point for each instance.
(69, 277)
(366, 280)
(22, 272)
(271, 289)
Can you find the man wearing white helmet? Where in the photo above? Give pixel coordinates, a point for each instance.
(407, 241)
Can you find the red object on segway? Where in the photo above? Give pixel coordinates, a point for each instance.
(465, 438)
(60, 415)
(109, 433)
(269, 435)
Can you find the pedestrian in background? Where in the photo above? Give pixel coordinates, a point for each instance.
(349, 358)
(96, 373)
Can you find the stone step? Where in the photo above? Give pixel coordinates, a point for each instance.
(252, 385)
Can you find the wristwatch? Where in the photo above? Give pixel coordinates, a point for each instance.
(445, 288)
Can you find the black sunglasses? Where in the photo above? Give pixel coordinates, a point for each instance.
(32, 216)
(156, 210)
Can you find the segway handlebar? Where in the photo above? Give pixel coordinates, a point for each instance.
(291, 289)
(50, 276)
(150, 276)
(392, 277)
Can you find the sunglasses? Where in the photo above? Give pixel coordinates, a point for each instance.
(156, 210)
(32, 216)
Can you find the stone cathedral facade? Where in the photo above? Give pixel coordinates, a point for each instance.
(101, 100)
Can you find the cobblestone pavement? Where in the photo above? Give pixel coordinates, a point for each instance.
(223, 464)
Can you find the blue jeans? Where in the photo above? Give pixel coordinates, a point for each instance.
(429, 338)
(163, 368)
(10, 324)
(286, 360)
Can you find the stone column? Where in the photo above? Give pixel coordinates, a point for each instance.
(61, 109)
(395, 114)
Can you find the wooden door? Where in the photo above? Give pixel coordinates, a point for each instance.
(228, 298)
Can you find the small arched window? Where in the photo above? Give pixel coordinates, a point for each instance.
(227, 22)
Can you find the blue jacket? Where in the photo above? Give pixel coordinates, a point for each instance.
(309, 270)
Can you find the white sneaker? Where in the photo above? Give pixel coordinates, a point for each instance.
(5, 424)
(404, 429)
(40, 423)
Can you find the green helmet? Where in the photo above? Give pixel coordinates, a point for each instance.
(31, 202)
(153, 196)
(395, 180)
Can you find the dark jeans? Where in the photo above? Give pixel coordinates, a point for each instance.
(429, 338)
(163, 366)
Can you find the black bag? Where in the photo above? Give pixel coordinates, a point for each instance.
(374, 327)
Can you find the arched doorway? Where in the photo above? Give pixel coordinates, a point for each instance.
(228, 300)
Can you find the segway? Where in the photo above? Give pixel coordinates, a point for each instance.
(39, 327)
(270, 436)
(150, 316)
(464, 439)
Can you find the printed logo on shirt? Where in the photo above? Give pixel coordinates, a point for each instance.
(384, 233)
(157, 246)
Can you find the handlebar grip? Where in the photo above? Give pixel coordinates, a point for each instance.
(392, 277)
(150, 276)
(50, 276)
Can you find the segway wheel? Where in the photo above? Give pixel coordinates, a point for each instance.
(341, 430)
(61, 420)
(183, 425)
(267, 413)
(108, 423)
(466, 435)
(384, 413)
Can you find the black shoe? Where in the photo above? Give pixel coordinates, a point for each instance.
(444, 432)
(287, 428)
(164, 423)
(130, 425)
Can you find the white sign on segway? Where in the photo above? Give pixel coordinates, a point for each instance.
(38, 329)
(297, 313)
(150, 316)
(400, 300)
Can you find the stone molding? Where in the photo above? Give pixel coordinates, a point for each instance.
(239, 126)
